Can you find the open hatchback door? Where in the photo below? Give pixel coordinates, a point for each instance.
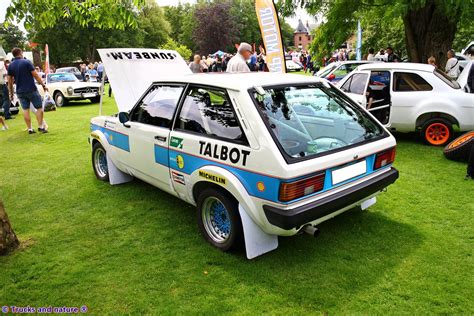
(132, 70)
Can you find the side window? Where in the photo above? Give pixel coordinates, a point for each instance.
(355, 84)
(406, 81)
(209, 112)
(158, 106)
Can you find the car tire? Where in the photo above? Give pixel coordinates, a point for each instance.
(437, 132)
(460, 148)
(95, 99)
(219, 219)
(99, 162)
(59, 99)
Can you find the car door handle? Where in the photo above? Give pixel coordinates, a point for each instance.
(160, 138)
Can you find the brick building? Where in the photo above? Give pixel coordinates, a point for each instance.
(302, 35)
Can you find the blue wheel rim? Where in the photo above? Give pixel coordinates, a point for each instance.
(100, 162)
(216, 219)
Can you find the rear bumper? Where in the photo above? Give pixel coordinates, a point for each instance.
(289, 219)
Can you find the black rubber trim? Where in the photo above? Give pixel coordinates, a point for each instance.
(288, 219)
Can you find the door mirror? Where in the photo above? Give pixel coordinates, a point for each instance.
(123, 117)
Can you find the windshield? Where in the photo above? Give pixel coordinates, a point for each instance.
(61, 77)
(307, 120)
(326, 71)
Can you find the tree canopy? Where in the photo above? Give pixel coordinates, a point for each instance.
(420, 28)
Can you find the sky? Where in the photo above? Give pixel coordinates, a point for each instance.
(299, 14)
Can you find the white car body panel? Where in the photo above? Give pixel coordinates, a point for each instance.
(408, 107)
(151, 154)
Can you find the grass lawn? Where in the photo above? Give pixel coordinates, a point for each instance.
(134, 249)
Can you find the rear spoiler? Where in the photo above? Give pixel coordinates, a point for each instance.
(132, 70)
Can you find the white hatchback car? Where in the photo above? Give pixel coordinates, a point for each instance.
(261, 155)
(410, 97)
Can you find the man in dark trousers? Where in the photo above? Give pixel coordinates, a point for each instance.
(24, 74)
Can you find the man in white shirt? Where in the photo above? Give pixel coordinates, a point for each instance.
(238, 62)
(452, 65)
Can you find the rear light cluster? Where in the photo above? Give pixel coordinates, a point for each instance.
(384, 158)
(293, 190)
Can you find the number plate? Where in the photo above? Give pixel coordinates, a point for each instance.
(349, 172)
(89, 95)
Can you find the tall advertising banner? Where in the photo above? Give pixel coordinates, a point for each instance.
(271, 34)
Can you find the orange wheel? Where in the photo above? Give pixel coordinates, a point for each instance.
(437, 133)
(461, 139)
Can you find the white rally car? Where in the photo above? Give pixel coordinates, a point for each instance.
(408, 97)
(65, 87)
(261, 155)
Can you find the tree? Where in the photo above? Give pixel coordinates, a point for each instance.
(11, 36)
(103, 14)
(429, 26)
(8, 239)
(152, 22)
(185, 52)
(182, 24)
(215, 29)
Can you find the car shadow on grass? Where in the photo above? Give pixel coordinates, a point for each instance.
(353, 252)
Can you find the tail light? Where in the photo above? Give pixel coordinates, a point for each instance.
(293, 190)
(331, 77)
(384, 158)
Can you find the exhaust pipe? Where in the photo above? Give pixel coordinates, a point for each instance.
(311, 230)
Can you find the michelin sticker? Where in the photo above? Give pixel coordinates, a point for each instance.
(212, 177)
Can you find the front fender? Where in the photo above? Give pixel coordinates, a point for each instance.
(225, 179)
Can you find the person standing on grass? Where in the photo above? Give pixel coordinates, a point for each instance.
(24, 74)
(4, 100)
(238, 62)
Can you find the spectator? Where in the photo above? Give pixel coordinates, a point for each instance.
(83, 71)
(4, 125)
(381, 55)
(23, 73)
(204, 65)
(238, 62)
(196, 66)
(100, 71)
(371, 56)
(391, 57)
(253, 62)
(40, 72)
(92, 73)
(432, 61)
(4, 100)
(452, 65)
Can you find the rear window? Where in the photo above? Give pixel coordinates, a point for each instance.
(407, 81)
(309, 120)
(447, 79)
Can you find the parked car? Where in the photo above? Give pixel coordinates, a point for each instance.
(293, 66)
(65, 87)
(414, 97)
(73, 70)
(260, 155)
(335, 71)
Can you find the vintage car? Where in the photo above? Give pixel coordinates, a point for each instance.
(72, 70)
(409, 97)
(65, 87)
(260, 155)
(335, 71)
